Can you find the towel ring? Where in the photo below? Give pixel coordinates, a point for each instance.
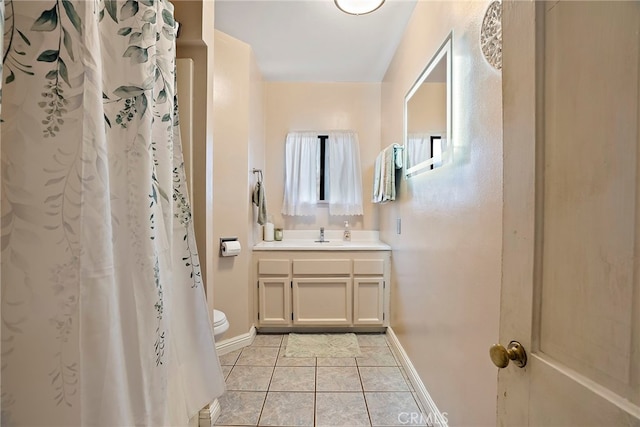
(258, 171)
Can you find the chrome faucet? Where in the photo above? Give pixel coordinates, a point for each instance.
(321, 234)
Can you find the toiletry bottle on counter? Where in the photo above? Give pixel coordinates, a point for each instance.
(268, 230)
(278, 234)
(347, 231)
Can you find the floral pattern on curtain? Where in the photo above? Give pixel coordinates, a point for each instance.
(104, 319)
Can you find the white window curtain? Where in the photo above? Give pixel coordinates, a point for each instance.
(418, 148)
(345, 176)
(301, 174)
(302, 164)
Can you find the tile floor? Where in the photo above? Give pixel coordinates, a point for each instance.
(266, 389)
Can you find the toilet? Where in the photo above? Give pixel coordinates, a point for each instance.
(220, 324)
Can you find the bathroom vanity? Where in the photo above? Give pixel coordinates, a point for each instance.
(302, 284)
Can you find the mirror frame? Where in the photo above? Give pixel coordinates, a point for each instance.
(445, 50)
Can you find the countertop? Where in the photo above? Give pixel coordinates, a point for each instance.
(305, 240)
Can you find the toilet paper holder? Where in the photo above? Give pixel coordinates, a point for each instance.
(226, 239)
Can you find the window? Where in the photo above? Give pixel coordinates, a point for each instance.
(322, 168)
(323, 173)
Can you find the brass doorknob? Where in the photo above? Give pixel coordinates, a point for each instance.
(501, 356)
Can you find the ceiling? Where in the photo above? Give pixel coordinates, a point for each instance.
(313, 41)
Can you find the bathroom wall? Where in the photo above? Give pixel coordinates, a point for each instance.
(256, 141)
(238, 141)
(447, 260)
(428, 107)
(291, 106)
(196, 41)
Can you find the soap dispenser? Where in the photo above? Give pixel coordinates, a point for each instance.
(347, 232)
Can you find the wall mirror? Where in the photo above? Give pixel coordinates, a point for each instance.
(427, 116)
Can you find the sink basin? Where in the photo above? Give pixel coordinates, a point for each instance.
(329, 243)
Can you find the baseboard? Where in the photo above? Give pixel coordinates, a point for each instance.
(434, 416)
(321, 329)
(236, 343)
(209, 414)
(194, 421)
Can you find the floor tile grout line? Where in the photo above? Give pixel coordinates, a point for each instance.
(266, 395)
(364, 396)
(315, 394)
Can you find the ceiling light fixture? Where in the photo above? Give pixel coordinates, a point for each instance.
(358, 7)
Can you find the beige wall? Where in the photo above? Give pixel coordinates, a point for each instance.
(238, 138)
(446, 263)
(196, 42)
(427, 109)
(321, 106)
(256, 141)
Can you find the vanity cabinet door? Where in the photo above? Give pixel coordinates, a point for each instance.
(368, 301)
(274, 296)
(322, 301)
(274, 292)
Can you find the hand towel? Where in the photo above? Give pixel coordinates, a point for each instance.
(384, 180)
(389, 175)
(377, 196)
(259, 200)
(398, 155)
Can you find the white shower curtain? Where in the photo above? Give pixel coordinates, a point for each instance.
(104, 320)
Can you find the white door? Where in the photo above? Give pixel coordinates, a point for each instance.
(571, 236)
